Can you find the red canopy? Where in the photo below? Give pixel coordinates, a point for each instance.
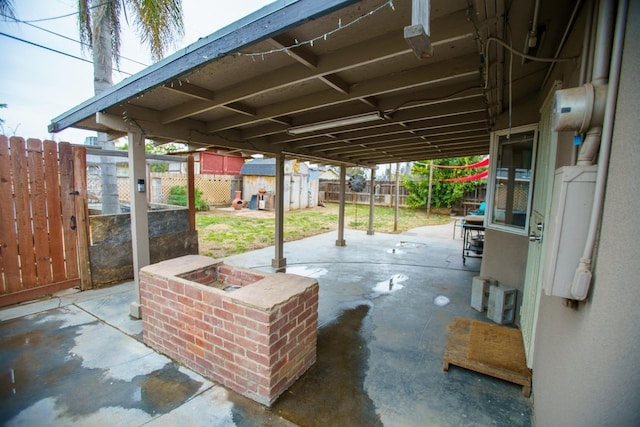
(467, 178)
(482, 163)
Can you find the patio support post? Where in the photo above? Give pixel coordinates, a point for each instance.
(279, 262)
(343, 184)
(139, 221)
(372, 196)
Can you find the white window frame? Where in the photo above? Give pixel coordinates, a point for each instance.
(491, 182)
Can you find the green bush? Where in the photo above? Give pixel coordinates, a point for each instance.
(443, 194)
(178, 196)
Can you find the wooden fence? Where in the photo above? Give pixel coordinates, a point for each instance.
(41, 210)
(384, 193)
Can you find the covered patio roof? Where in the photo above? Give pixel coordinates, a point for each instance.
(253, 86)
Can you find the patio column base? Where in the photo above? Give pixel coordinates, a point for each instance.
(341, 242)
(279, 263)
(134, 310)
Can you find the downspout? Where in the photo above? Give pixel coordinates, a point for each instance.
(583, 275)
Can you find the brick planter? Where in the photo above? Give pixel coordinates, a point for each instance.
(253, 332)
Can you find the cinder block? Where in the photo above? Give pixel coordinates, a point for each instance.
(501, 307)
(480, 292)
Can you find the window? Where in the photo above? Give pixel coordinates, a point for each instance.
(511, 178)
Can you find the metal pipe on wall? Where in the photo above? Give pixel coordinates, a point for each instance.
(583, 275)
(600, 75)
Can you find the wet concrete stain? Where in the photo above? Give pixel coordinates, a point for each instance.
(36, 363)
(331, 392)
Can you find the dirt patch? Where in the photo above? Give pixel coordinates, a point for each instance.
(218, 227)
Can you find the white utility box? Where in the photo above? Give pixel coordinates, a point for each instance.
(566, 231)
(480, 292)
(502, 304)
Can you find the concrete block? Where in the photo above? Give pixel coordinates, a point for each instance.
(480, 292)
(501, 307)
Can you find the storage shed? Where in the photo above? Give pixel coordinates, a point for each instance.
(300, 184)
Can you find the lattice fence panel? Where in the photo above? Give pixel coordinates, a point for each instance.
(216, 190)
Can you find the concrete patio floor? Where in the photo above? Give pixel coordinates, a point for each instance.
(77, 358)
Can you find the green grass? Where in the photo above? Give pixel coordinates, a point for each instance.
(223, 232)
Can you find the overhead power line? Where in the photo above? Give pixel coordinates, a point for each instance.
(53, 18)
(65, 37)
(55, 50)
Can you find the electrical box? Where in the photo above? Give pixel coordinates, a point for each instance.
(480, 292)
(566, 231)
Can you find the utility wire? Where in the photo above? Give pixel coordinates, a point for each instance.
(65, 16)
(65, 37)
(55, 51)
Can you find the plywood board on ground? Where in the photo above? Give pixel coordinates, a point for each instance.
(488, 349)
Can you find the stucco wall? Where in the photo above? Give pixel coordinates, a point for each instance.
(506, 258)
(586, 369)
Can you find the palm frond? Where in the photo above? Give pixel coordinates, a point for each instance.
(159, 24)
(7, 9)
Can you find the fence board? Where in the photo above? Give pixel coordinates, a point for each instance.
(82, 213)
(54, 214)
(68, 209)
(9, 261)
(39, 208)
(23, 212)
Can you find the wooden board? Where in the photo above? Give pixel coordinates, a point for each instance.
(489, 349)
(54, 214)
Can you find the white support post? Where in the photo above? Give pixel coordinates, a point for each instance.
(279, 262)
(139, 219)
(372, 196)
(343, 185)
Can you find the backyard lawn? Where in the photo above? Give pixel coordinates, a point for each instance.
(224, 232)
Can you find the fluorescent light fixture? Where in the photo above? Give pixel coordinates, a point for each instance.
(330, 124)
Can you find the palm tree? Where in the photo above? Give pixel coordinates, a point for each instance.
(158, 23)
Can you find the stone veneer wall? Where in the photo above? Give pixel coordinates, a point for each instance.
(256, 340)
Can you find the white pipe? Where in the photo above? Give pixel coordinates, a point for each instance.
(533, 32)
(604, 32)
(586, 43)
(600, 74)
(585, 60)
(583, 275)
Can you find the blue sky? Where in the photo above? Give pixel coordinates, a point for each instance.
(38, 84)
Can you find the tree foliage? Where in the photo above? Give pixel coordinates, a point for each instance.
(443, 194)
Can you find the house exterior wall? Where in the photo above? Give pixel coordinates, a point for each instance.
(506, 258)
(586, 367)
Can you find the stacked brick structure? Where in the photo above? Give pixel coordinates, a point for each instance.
(256, 340)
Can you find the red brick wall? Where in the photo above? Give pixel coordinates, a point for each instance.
(255, 352)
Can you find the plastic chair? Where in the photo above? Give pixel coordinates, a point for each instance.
(479, 211)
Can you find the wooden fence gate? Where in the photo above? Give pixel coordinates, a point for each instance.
(42, 218)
